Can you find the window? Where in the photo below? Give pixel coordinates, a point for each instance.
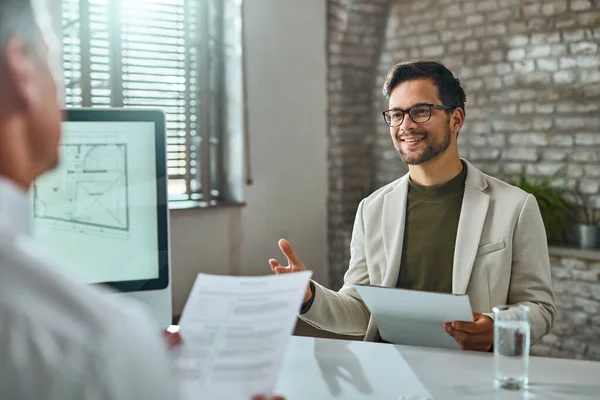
(168, 54)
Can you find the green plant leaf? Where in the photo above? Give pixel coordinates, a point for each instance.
(557, 212)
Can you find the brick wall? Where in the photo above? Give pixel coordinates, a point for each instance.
(355, 36)
(531, 70)
(576, 331)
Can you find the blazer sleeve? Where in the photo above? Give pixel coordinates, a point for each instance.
(344, 312)
(530, 282)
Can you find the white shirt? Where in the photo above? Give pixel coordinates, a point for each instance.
(61, 339)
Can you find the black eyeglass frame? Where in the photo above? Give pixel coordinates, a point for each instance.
(408, 111)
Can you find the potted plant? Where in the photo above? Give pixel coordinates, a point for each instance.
(588, 228)
(558, 212)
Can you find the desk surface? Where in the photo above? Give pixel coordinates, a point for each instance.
(340, 369)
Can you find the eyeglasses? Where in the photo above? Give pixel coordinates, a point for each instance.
(419, 113)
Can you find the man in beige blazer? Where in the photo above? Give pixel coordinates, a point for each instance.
(445, 226)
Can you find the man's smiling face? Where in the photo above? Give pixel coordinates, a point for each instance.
(419, 143)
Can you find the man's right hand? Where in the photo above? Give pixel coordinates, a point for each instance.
(294, 264)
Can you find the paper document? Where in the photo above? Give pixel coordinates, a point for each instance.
(413, 317)
(235, 332)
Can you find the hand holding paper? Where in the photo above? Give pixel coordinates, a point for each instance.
(415, 318)
(478, 335)
(235, 332)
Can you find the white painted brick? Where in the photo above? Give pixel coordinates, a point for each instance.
(497, 29)
(585, 155)
(517, 27)
(490, 44)
(496, 139)
(518, 40)
(579, 5)
(573, 35)
(568, 62)
(569, 107)
(503, 68)
(544, 108)
(532, 10)
(500, 15)
(521, 154)
(433, 51)
(562, 141)
(558, 50)
(528, 139)
(453, 48)
(547, 64)
(553, 8)
(492, 82)
(520, 125)
(474, 19)
(583, 48)
(487, 5)
(592, 170)
(512, 168)
(535, 78)
(564, 77)
(484, 70)
(538, 51)
(544, 168)
(508, 109)
(542, 124)
(591, 76)
(544, 38)
(526, 108)
(575, 171)
(555, 155)
(471, 45)
(589, 186)
(496, 55)
(524, 67)
(565, 21)
(453, 10)
(588, 61)
(509, 80)
(516, 54)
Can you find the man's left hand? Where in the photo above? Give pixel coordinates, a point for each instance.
(478, 335)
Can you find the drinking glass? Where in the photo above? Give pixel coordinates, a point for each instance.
(511, 346)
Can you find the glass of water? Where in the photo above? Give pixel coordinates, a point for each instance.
(511, 346)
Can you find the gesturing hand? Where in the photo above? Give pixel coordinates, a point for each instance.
(294, 264)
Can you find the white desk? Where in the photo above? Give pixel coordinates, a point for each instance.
(338, 369)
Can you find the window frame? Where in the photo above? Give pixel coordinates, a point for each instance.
(209, 141)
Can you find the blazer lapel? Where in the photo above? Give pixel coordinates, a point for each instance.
(470, 226)
(394, 212)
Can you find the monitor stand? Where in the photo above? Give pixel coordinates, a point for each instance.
(157, 302)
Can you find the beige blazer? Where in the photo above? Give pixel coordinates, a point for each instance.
(501, 256)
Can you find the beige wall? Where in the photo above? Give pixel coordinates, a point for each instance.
(286, 83)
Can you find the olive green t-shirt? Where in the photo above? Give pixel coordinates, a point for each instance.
(432, 214)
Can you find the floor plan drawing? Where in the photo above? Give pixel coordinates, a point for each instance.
(89, 188)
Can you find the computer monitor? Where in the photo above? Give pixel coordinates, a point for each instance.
(102, 214)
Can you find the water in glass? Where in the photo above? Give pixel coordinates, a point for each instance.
(511, 353)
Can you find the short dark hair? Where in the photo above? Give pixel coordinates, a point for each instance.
(449, 87)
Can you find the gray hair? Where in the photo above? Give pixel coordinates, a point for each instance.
(17, 19)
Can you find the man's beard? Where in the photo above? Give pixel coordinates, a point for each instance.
(432, 150)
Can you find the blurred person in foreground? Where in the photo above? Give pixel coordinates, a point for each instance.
(59, 339)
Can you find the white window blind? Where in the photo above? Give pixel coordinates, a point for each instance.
(165, 54)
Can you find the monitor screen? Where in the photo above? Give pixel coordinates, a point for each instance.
(101, 214)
